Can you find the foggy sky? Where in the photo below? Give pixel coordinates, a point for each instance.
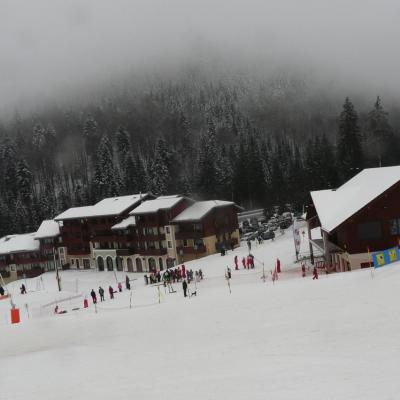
(48, 47)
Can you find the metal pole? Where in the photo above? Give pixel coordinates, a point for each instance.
(57, 274)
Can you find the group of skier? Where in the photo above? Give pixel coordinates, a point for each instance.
(303, 272)
(181, 273)
(247, 262)
(111, 290)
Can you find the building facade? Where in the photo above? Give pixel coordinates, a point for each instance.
(20, 256)
(360, 217)
(86, 232)
(204, 228)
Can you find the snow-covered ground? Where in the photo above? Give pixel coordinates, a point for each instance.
(335, 338)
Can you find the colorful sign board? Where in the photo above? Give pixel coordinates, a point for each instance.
(384, 257)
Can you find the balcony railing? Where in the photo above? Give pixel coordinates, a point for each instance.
(191, 249)
(152, 252)
(126, 252)
(189, 235)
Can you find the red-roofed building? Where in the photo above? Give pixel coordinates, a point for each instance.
(361, 215)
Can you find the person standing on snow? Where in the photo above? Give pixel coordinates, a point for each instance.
(127, 283)
(249, 244)
(184, 287)
(236, 262)
(303, 270)
(101, 293)
(228, 273)
(244, 262)
(94, 297)
(315, 273)
(119, 286)
(111, 292)
(278, 265)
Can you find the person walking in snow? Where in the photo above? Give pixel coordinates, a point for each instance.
(252, 261)
(228, 273)
(127, 283)
(303, 270)
(184, 287)
(94, 297)
(120, 287)
(111, 292)
(248, 262)
(1, 291)
(23, 289)
(235, 260)
(278, 265)
(201, 274)
(244, 262)
(315, 273)
(101, 293)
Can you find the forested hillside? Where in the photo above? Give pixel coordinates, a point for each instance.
(261, 143)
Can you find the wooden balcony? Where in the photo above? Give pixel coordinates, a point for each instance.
(191, 249)
(78, 252)
(152, 252)
(126, 252)
(189, 235)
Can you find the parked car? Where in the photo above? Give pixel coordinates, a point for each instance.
(268, 235)
(285, 224)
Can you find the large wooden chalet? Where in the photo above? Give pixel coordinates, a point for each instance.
(87, 235)
(204, 228)
(153, 230)
(359, 217)
(20, 256)
(133, 233)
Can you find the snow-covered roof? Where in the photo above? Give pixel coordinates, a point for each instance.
(200, 209)
(19, 243)
(336, 206)
(47, 229)
(125, 223)
(105, 207)
(160, 203)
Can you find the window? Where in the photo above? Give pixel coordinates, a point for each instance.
(369, 230)
(185, 243)
(167, 229)
(394, 225)
(197, 227)
(169, 244)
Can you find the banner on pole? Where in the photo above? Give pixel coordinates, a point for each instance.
(384, 257)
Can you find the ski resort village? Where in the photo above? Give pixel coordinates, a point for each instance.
(150, 297)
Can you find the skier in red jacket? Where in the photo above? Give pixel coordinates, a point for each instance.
(236, 263)
(244, 262)
(248, 262)
(315, 273)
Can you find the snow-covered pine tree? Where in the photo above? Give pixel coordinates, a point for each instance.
(106, 178)
(206, 174)
(349, 151)
(24, 179)
(123, 145)
(379, 135)
(38, 137)
(224, 175)
(159, 168)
